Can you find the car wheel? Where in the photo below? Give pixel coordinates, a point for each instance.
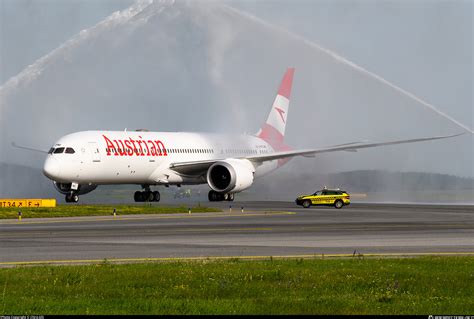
(338, 204)
(306, 204)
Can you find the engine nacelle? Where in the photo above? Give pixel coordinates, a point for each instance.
(230, 176)
(65, 188)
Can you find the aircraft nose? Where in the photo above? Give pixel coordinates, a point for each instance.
(51, 168)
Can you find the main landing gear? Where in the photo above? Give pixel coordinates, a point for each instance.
(147, 196)
(219, 197)
(72, 198)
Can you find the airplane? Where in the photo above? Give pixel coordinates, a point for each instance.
(79, 162)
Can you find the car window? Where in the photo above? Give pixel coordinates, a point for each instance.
(318, 193)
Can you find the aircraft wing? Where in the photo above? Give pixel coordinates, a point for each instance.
(200, 167)
(349, 147)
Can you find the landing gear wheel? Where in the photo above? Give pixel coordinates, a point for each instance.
(216, 197)
(306, 204)
(212, 196)
(338, 204)
(72, 198)
(230, 197)
(148, 196)
(137, 196)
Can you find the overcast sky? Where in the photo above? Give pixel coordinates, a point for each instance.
(424, 47)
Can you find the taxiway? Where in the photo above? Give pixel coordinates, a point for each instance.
(263, 229)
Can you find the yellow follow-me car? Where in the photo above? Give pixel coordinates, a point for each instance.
(327, 197)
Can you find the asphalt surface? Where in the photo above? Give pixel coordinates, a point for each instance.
(263, 229)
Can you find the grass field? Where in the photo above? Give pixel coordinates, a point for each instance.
(424, 285)
(98, 210)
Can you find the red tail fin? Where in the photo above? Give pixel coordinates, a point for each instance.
(273, 131)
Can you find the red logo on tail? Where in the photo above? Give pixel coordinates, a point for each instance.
(281, 112)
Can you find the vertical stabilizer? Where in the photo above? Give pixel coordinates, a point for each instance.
(273, 131)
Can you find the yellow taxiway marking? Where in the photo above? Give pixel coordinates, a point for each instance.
(150, 216)
(163, 259)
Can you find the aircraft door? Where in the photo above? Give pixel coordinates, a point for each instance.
(94, 149)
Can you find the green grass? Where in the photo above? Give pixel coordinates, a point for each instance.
(97, 210)
(425, 285)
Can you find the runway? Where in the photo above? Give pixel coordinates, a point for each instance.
(263, 229)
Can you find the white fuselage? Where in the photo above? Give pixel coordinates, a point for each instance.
(121, 157)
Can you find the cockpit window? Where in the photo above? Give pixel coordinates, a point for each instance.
(59, 150)
(51, 150)
(70, 151)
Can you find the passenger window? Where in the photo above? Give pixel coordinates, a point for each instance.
(70, 151)
(59, 150)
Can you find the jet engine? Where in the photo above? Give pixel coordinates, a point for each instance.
(65, 188)
(230, 176)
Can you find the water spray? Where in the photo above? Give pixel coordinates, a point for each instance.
(351, 64)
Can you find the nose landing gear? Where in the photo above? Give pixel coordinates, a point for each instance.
(72, 198)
